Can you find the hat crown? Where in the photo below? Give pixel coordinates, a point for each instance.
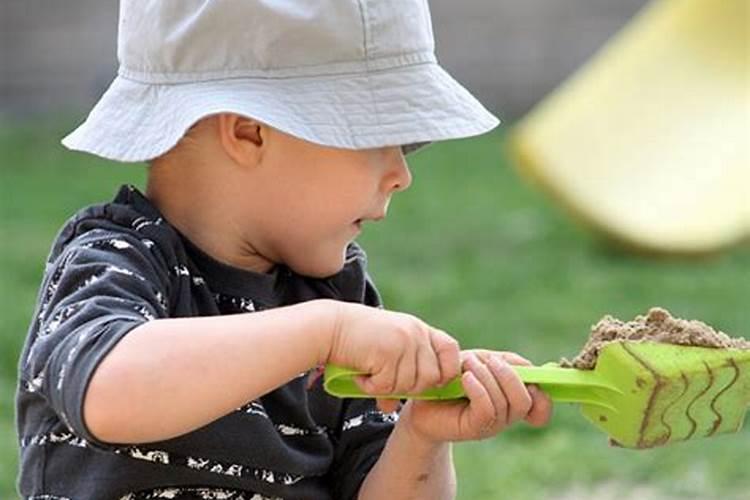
(191, 40)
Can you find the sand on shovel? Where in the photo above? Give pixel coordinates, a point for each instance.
(656, 326)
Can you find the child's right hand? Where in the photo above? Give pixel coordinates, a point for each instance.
(401, 353)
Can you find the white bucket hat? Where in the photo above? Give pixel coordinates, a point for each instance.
(344, 73)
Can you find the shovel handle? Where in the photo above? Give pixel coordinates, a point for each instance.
(562, 384)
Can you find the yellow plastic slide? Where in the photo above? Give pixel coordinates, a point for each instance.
(650, 140)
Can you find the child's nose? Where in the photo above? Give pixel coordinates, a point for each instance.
(399, 178)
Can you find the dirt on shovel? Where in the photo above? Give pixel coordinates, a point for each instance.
(658, 325)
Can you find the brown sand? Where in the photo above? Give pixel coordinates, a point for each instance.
(656, 326)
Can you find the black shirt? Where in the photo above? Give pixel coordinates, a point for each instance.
(117, 265)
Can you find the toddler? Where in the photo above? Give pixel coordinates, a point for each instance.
(175, 349)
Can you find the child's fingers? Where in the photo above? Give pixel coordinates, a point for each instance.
(541, 404)
(482, 412)
(518, 398)
(428, 367)
(541, 408)
(515, 359)
(382, 380)
(406, 371)
(491, 385)
(510, 357)
(448, 353)
(363, 382)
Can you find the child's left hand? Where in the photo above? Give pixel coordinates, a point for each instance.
(496, 399)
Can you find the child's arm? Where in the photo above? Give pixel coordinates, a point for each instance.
(411, 467)
(170, 376)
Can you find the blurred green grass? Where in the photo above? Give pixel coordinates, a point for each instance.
(470, 248)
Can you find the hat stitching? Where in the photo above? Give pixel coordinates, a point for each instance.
(337, 124)
(383, 63)
(281, 112)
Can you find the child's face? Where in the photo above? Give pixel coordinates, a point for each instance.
(309, 201)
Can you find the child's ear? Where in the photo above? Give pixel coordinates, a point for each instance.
(242, 138)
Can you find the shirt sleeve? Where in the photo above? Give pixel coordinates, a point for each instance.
(94, 293)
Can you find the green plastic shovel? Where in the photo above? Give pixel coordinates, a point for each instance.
(642, 394)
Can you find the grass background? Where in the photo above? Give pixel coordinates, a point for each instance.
(470, 248)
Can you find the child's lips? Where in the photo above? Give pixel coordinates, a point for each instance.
(358, 223)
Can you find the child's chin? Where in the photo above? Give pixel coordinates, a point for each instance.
(321, 268)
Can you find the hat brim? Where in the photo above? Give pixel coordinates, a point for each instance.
(409, 106)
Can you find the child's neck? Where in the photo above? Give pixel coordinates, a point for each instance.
(200, 216)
